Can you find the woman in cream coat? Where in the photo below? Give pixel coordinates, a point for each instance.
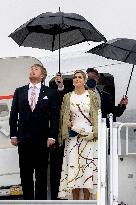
(79, 129)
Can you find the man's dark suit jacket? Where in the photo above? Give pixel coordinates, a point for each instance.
(42, 122)
(107, 106)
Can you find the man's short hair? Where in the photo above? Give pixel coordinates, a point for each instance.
(92, 70)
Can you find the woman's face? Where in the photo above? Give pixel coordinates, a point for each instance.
(78, 80)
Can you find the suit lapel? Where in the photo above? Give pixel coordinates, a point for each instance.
(25, 94)
(43, 92)
(98, 91)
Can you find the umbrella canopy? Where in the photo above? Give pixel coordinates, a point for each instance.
(43, 31)
(120, 49)
(52, 31)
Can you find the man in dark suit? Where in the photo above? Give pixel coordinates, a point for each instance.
(105, 99)
(106, 102)
(34, 126)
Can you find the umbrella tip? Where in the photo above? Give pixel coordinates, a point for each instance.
(59, 8)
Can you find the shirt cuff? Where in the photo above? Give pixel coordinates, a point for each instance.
(51, 138)
(60, 89)
(13, 137)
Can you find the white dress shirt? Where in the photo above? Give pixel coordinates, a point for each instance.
(37, 91)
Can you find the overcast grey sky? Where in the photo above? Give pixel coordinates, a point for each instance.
(113, 18)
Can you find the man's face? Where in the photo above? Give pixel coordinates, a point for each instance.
(35, 73)
(92, 75)
(92, 80)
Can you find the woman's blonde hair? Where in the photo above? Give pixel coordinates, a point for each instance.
(82, 73)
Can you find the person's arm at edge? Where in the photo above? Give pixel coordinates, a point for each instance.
(13, 120)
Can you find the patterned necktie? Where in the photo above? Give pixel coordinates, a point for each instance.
(33, 99)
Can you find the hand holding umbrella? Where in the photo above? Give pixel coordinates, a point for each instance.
(124, 100)
(59, 80)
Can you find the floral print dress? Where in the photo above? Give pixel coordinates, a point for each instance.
(79, 169)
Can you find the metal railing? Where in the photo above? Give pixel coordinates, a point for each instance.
(127, 126)
(115, 152)
(102, 160)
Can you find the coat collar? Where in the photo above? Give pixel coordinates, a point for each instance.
(38, 85)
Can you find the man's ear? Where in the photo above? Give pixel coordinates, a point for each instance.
(42, 76)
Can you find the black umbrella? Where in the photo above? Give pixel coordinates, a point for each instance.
(121, 49)
(52, 31)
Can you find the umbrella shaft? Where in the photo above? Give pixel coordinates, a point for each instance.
(59, 51)
(129, 79)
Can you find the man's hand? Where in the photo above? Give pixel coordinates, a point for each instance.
(124, 100)
(59, 80)
(14, 141)
(50, 142)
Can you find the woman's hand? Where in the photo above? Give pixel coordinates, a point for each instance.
(70, 124)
